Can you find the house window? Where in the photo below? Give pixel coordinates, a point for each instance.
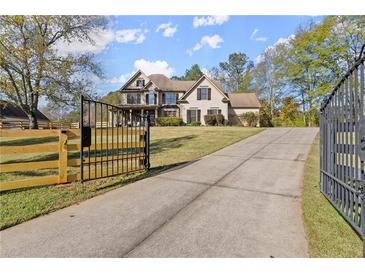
(169, 113)
(169, 98)
(214, 111)
(193, 115)
(151, 98)
(133, 99)
(203, 93)
(140, 83)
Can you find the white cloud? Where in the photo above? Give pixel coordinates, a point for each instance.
(168, 29)
(285, 40)
(130, 35)
(209, 20)
(120, 79)
(258, 59)
(150, 67)
(101, 38)
(213, 41)
(257, 38)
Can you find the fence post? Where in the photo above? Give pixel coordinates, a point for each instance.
(147, 142)
(62, 156)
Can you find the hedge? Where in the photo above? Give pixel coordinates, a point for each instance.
(195, 123)
(169, 121)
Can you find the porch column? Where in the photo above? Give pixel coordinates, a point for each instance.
(156, 113)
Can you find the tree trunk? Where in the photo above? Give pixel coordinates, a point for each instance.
(304, 110)
(33, 123)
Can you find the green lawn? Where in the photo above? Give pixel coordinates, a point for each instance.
(169, 146)
(327, 232)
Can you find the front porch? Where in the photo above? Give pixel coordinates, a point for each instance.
(151, 110)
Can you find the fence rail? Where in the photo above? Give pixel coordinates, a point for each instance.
(342, 148)
(66, 166)
(22, 124)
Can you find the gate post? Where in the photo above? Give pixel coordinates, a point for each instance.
(62, 156)
(147, 164)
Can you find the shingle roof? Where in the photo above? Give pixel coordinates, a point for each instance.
(244, 100)
(9, 109)
(167, 84)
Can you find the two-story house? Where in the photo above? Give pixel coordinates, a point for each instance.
(190, 100)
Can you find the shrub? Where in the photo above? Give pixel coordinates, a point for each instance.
(250, 118)
(220, 119)
(169, 121)
(195, 123)
(227, 123)
(210, 120)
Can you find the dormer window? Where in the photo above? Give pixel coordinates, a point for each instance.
(140, 83)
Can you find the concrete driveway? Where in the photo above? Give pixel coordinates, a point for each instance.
(242, 201)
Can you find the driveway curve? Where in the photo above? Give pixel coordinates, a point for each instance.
(241, 201)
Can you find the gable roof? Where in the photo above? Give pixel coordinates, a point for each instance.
(244, 100)
(9, 109)
(134, 76)
(216, 84)
(164, 83)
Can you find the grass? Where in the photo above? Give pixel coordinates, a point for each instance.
(170, 146)
(328, 234)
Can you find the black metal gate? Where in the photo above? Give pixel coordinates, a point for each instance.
(342, 146)
(114, 141)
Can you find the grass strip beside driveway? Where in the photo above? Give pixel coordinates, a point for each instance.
(328, 234)
(170, 146)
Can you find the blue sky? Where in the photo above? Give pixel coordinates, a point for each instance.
(171, 44)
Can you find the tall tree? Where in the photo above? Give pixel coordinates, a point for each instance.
(268, 80)
(191, 74)
(31, 65)
(234, 74)
(319, 55)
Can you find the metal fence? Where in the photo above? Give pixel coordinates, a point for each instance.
(342, 147)
(114, 141)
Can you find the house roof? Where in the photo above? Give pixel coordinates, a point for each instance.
(12, 110)
(215, 83)
(164, 83)
(134, 76)
(244, 100)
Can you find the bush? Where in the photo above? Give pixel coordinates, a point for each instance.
(169, 121)
(227, 123)
(250, 118)
(210, 120)
(220, 119)
(195, 124)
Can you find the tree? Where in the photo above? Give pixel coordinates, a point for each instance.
(234, 74)
(268, 79)
(31, 66)
(112, 98)
(289, 110)
(191, 74)
(319, 55)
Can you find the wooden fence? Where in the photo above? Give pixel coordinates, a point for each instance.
(21, 124)
(64, 164)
